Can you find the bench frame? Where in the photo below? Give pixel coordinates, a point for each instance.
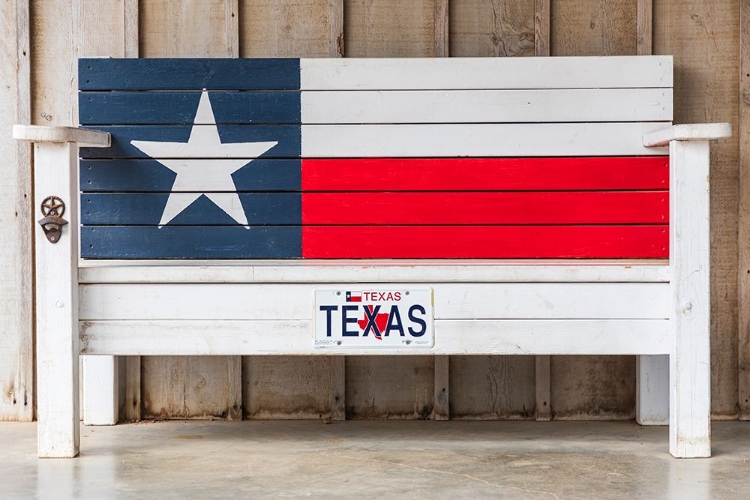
(676, 359)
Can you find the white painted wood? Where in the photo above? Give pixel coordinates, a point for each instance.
(692, 132)
(57, 306)
(101, 402)
(294, 337)
(487, 106)
(451, 301)
(43, 133)
(448, 140)
(486, 73)
(17, 392)
(652, 390)
(690, 361)
(373, 271)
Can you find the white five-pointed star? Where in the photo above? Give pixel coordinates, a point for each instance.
(204, 166)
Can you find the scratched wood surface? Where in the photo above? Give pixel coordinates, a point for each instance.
(703, 36)
(16, 337)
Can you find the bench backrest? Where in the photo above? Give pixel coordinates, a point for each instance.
(375, 158)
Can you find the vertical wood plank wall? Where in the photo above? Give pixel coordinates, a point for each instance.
(703, 36)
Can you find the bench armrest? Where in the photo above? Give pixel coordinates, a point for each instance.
(41, 133)
(692, 132)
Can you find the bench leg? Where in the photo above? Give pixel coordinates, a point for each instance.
(100, 390)
(57, 306)
(689, 255)
(652, 390)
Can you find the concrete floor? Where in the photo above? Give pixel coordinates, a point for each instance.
(404, 459)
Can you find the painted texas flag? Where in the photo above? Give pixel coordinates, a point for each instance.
(314, 158)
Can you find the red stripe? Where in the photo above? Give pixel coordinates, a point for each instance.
(485, 174)
(579, 207)
(484, 242)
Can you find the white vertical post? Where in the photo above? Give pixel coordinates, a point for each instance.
(56, 174)
(652, 390)
(689, 257)
(57, 305)
(689, 262)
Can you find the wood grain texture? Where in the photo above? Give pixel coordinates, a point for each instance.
(289, 387)
(593, 27)
(704, 39)
(336, 28)
(744, 215)
(494, 28)
(542, 25)
(442, 28)
(645, 34)
(389, 28)
(190, 387)
(592, 387)
(492, 387)
(189, 28)
(16, 213)
(389, 387)
(269, 28)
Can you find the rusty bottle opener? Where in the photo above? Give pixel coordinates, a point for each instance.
(53, 208)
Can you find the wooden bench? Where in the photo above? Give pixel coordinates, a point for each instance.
(546, 206)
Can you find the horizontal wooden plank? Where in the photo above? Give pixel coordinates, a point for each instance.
(487, 106)
(188, 74)
(484, 242)
(147, 208)
(387, 174)
(198, 242)
(485, 174)
(522, 139)
(486, 73)
(287, 137)
(262, 174)
(374, 242)
(375, 271)
(412, 208)
(557, 207)
(179, 108)
(141, 338)
(236, 301)
(348, 141)
(45, 133)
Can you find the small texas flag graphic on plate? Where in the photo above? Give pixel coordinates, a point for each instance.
(354, 296)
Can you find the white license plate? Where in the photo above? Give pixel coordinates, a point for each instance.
(358, 317)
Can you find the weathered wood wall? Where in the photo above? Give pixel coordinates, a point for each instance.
(40, 88)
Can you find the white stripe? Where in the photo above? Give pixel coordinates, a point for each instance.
(487, 106)
(546, 139)
(486, 73)
(451, 337)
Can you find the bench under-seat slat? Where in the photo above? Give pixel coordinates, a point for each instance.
(293, 337)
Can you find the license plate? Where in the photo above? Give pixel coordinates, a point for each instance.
(391, 318)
